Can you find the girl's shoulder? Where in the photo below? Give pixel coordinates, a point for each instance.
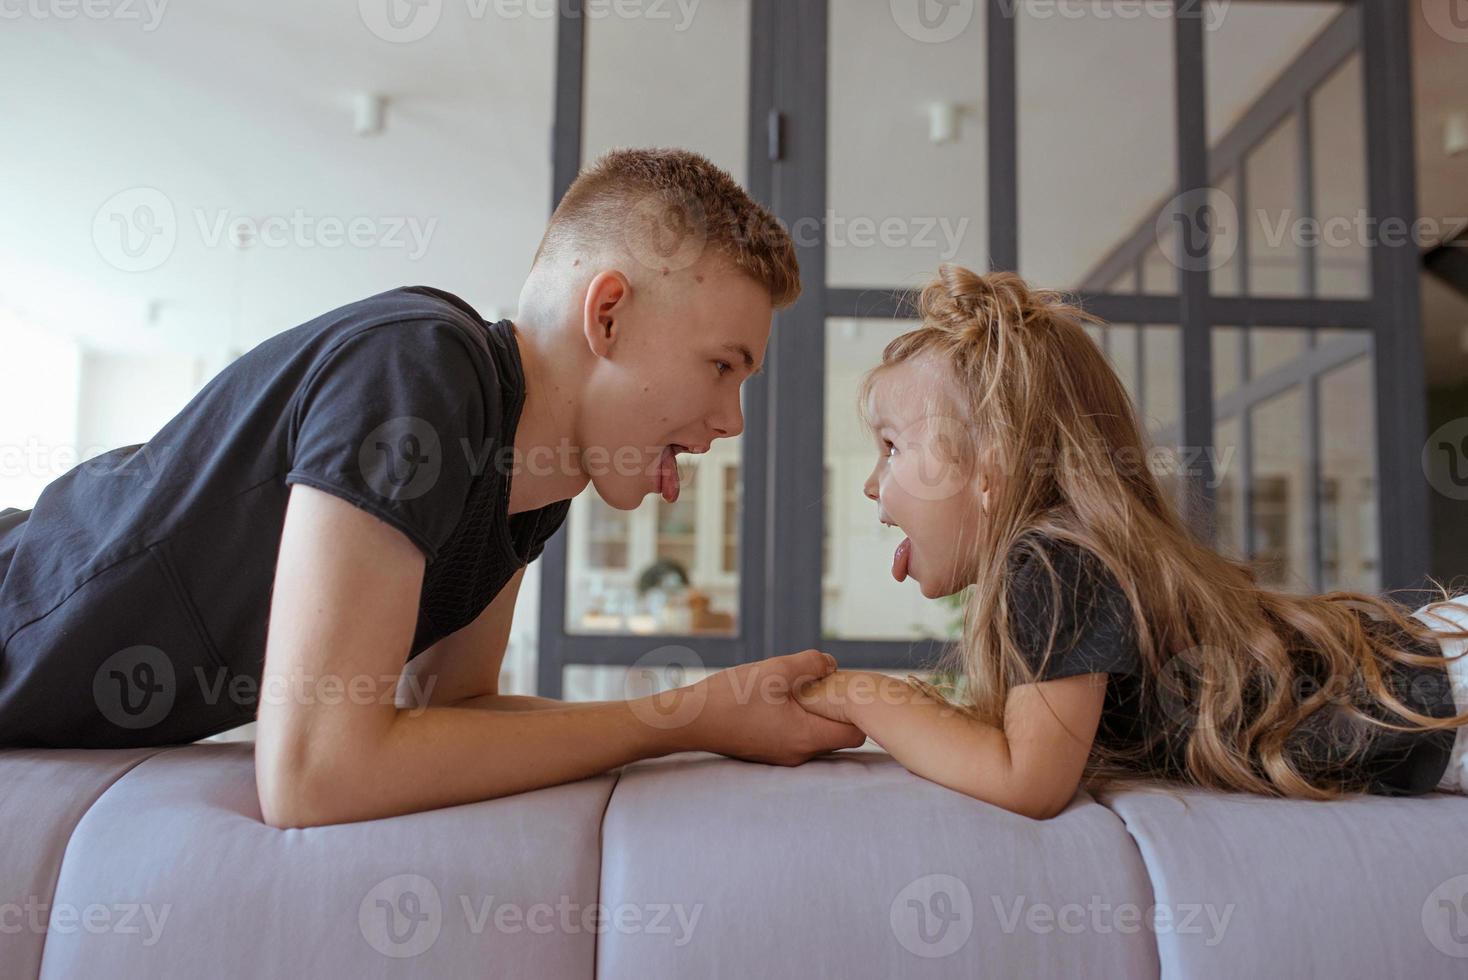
(1077, 568)
(1062, 598)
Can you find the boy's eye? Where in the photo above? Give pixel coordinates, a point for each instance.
(724, 367)
(887, 447)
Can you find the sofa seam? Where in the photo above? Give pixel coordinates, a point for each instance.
(1146, 867)
(601, 850)
(71, 836)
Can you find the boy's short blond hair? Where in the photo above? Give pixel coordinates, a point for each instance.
(667, 208)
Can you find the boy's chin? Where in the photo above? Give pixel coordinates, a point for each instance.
(621, 495)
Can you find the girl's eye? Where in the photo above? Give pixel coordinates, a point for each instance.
(724, 367)
(887, 448)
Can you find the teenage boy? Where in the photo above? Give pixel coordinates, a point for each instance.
(345, 514)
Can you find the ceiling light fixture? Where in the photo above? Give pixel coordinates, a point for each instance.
(371, 113)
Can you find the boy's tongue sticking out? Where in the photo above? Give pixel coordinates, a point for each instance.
(668, 475)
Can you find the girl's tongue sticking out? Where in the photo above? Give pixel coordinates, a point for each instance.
(900, 559)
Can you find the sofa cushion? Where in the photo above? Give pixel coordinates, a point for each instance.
(178, 848)
(1364, 887)
(43, 793)
(850, 866)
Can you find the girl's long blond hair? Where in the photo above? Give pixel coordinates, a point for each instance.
(1222, 657)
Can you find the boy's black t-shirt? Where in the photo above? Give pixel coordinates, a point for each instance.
(135, 595)
(1095, 633)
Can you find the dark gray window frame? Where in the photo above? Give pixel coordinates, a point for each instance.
(780, 590)
(1288, 97)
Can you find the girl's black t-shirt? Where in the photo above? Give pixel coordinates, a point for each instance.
(1095, 633)
(135, 595)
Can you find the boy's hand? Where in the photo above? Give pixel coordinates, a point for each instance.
(749, 712)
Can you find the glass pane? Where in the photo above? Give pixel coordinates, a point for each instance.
(1348, 508)
(630, 99)
(860, 598)
(1124, 353)
(906, 154)
(1162, 394)
(1254, 76)
(1338, 153)
(1276, 405)
(1248, 47)
(582, 682)
(664, 568)
(1148, 362)
(1281, 485)
(1272, 176)
(1097, 145)
(1224, 258)
(1272, 348)
(1159, 273)
(1229, 480)
(1228, 365)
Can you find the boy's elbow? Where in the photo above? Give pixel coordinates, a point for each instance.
(293, 793)
(285, 799)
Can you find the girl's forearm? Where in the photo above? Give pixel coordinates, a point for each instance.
(935, 741)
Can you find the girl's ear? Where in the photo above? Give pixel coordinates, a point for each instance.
(982, 463)
(606, 295)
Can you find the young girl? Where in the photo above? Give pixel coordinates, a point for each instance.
(1102, 640)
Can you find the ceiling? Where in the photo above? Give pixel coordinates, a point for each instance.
(234, 113)
(245, 112)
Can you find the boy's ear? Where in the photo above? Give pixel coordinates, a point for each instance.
(606, 296)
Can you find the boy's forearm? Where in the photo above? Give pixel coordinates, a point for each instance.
(935, 741)
(444, 756)
(514, 702)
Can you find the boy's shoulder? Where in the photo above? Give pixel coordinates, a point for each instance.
(399, 305)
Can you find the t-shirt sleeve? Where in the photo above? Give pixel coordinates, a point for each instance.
(551, 520)
(383, 423)
(1082, 604)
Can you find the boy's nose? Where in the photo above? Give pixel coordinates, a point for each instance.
(728, 426)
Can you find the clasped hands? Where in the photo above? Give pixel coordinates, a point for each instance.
(783, 710)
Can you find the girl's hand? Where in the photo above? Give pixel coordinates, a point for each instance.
(832, 696)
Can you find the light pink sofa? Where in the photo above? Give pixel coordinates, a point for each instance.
(155, 863)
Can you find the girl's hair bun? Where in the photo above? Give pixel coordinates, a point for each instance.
(973, 306)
